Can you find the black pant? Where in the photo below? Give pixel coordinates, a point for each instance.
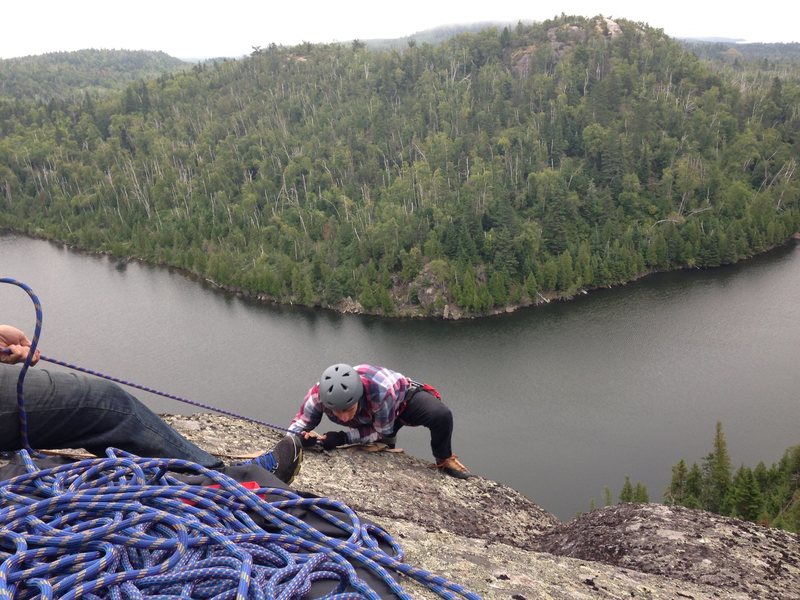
(425, 409)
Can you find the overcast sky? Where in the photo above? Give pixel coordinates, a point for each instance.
(203, 29)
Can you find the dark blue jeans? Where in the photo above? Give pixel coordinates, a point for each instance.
(69, 410)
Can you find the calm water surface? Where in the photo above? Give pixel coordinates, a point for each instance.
(557, 401)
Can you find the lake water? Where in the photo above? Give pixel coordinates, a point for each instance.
(556, 401)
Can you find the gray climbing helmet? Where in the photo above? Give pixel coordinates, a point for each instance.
(340, 387)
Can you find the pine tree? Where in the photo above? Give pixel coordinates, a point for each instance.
(640, 493)
(787, 491)
(717, 475)
(626, 494)
(677, 491)
(694, 487)
(746, 500)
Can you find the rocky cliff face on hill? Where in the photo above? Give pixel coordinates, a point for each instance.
(500, 544)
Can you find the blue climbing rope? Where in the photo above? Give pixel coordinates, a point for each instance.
(122, 526)
(23, 415)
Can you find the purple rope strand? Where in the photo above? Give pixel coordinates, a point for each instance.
(164, 394)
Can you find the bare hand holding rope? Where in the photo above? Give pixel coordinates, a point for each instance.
(15, 345)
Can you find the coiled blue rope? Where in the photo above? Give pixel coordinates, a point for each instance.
(122, 527)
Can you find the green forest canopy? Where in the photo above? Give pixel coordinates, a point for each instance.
(495, 169)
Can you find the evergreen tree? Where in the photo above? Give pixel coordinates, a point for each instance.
(786, 491)
(694, 487)
(626, 494)
(677, 491)
(717, 475)
(746, 501)
(640, 493)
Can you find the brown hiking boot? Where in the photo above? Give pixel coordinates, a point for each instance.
(453, 467)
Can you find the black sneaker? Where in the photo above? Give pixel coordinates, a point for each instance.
(284, 459)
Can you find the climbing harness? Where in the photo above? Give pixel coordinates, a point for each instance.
(416, 386)
(128, 527)
(425, 387)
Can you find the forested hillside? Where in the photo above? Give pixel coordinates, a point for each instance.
(74, 74)
(495, 169)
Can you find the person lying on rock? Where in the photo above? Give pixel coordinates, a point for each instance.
(374, 403)
(70, 410)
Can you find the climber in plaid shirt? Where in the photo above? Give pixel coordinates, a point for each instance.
(374, 403)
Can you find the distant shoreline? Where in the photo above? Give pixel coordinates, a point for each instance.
(450, 312)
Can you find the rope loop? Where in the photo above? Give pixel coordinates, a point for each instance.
(23, 415)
